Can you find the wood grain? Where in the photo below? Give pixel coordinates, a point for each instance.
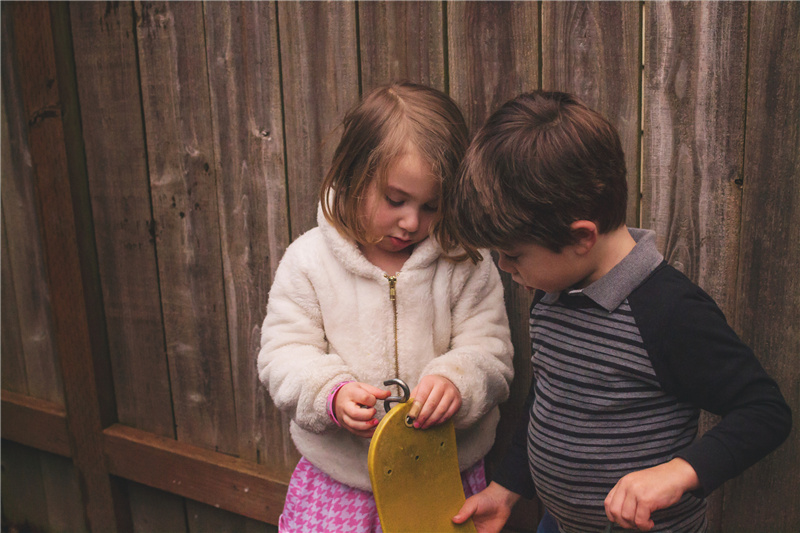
(182, 174)
(218, 480)
(401, 41)
(28, 296)
(593, 50)
(244, 78)
(320, 84)
(107, 75)
(694, 91)
(35, 423)
(36, 58)
(693, 108)
(493, 52)
(768, 290)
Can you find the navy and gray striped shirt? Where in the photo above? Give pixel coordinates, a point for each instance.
(621, 371)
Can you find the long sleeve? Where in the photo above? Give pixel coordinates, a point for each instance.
(479, 361)
(293, 361)
(704, 362)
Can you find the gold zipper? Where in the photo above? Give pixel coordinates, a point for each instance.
(393, 299)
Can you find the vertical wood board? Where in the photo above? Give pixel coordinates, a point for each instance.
(248, 145)
(182, 175)
(493, 51)
(593, 50)
(694, 90)
(401, 41)
(765, 497)
(56, 195)
(105, 55)
(36, 363)
(320, 84)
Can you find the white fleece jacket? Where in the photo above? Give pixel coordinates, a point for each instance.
(330, 319)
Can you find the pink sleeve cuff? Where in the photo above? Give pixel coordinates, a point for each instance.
(332, 398)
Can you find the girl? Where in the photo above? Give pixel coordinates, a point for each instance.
(368, 296)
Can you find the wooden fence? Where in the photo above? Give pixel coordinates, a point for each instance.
(157, 159)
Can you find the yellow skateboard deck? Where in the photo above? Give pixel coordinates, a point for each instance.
(414, 475)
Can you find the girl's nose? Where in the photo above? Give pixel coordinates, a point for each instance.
(410, 221)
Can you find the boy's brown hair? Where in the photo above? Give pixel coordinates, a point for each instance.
(538, 164)
(388, 122)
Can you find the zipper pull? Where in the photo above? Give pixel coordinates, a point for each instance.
(392, 287)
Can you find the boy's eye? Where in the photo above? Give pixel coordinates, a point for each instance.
(510, 258)
(431, 208)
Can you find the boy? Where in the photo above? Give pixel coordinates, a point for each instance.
(626, 350)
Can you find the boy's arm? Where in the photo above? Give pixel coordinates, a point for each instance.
(698, 358)
(490, 508)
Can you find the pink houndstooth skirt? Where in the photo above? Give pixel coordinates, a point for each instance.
(317, 503)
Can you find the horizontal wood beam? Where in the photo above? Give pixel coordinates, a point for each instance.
(206, 476)
(36, 423)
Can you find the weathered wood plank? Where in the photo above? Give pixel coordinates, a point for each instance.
(12, 362)
(245, 87)
(401, 41)
(593, 50)
(105, 57)
(174, 83)
(320, 84)
(36, 423)
(493, 50)
(29, 294)
(216, 479)
(59, 200)
(694, 90)
(108, 82)
(765, 497)
(694, 97)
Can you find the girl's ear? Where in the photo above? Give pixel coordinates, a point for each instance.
(585, 233)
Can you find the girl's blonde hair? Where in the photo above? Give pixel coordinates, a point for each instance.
(386, 124)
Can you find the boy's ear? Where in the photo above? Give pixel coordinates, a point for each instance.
(585, 233)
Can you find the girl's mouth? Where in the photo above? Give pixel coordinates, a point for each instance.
(399, 243)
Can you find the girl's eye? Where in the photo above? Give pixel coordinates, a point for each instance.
(393, 203)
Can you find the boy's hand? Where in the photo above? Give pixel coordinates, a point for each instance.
(489, 509)
(638, 494)
(440, 400)
(354, 407)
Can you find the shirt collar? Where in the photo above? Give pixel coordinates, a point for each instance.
(612, 289)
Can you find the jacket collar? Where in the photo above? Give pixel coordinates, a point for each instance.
(347, 252)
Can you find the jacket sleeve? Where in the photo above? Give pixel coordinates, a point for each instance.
(479, 361)
(293, 362)
(704, 362)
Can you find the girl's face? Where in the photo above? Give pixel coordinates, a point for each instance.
(400, 215)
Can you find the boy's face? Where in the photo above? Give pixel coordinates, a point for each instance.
(537, 267)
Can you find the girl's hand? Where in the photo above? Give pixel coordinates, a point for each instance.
(440, 400)
(354, 407)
